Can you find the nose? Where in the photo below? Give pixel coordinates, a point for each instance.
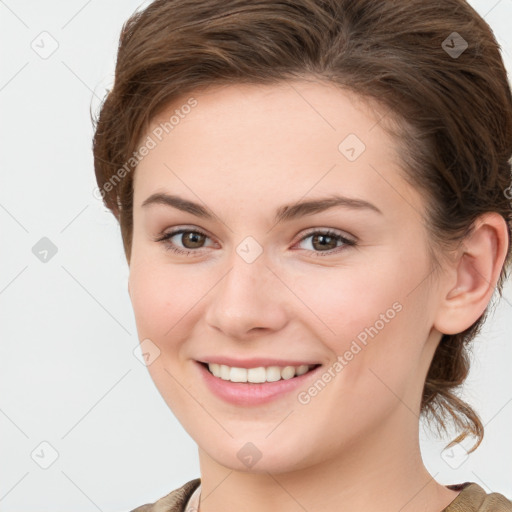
(249, 300)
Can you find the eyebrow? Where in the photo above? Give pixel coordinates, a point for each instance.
(283, 213)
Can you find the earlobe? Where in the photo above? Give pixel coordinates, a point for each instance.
(476, 268)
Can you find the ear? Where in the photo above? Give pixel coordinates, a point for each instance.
(472, 275)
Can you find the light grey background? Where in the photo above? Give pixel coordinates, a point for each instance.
(69, 377)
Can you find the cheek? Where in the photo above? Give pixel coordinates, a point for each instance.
(347, 301)
(369, 320)
(162, 297)
(162, 302)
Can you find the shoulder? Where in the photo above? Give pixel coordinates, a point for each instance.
(473, 498)
(175, 501)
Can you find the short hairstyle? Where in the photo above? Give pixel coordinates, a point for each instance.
(434, 67)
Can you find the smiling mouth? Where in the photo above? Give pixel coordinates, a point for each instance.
(259, 375)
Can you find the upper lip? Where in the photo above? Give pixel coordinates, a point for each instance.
(254, 362)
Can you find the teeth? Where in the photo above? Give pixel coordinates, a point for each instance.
(257, 375)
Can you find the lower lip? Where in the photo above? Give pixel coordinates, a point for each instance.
(243, 393)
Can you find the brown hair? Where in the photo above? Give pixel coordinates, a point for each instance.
(452, 111)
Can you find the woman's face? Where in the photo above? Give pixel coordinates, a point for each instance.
(284, 291)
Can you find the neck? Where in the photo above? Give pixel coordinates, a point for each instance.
(381, 471)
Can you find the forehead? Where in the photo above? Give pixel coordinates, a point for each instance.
(294, 138)
(288, 104)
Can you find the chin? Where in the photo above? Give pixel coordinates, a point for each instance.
(265, 456)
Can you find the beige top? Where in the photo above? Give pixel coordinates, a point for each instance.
(472, 498)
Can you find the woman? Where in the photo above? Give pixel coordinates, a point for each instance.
(314, 202)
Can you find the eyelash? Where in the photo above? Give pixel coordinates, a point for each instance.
(165, 237)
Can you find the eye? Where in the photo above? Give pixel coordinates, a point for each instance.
(324, 242)
(191, 240)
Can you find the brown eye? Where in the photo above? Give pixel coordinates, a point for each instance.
(325, 242)
(186, 241)
(192, 239)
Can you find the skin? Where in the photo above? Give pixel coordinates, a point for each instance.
(242, 152)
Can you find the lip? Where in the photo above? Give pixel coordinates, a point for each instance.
(256, 362)
(250, 394)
